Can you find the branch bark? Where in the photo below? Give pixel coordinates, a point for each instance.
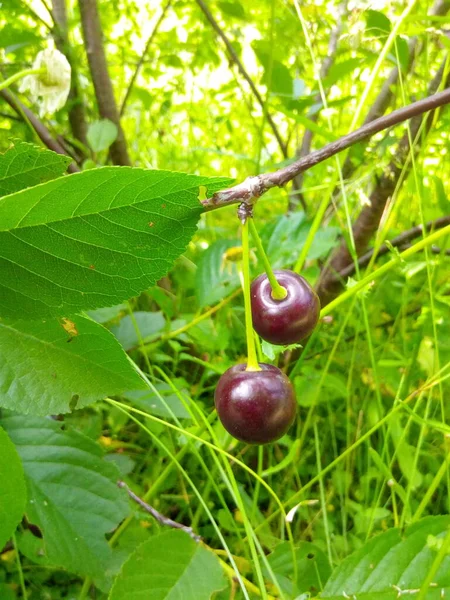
(92, 34)
(253, 188)
(42, 131)
(157, 515)
(235, 59)
(296, 196)
(144, 54)
(369, 218)
(77, 116)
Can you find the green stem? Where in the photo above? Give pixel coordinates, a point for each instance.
(19, 569)
(278, 291)
(384, 269)
(252, 361)
(85, 589)
(7, 82)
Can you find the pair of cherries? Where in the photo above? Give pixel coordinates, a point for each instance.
(258, 407)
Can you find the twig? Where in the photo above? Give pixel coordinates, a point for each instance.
(386, 94)
(254, 187)
(235, 59)
(370, 216)
(157, 515)
(142, 58)
(305, 146)
(38, 126)
(93, 40)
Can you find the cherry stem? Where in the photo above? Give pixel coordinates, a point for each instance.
(278, 291)
(252, 361)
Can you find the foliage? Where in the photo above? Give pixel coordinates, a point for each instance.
(121, 305)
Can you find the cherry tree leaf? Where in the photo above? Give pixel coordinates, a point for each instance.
(94, 238)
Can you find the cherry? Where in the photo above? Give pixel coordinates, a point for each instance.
(284, 321)
(256, 407)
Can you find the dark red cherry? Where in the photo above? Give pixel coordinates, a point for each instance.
(256, 407)
(286, 321)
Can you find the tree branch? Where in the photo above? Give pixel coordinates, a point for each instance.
(386, 94)
(77, 118)
(38, 126)
(235, 59)
(253, 188)
(296, 196)
(92, 34)
(157, 515)
(144, 54)
(369, 218)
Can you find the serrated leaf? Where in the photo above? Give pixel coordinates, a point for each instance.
(392, 559)
(25, 165)
(72, 493)
(13, 493)
(216, 277)
(49, 367)
(101, 134)
(169, 566)
(94, 238)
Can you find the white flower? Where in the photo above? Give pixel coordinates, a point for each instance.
(53, 85)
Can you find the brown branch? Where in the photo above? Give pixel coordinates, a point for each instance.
(386, 94)
(42, 131)
(253, 188)
(296, 196)
(400, 241)
(144, 54)
(369, 218)
(157, 515)
(235, 59)
(92, 34)
(77, 118)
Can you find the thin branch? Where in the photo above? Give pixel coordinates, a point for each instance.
(144, 54)
(398, 242)
(370, 216)
(92, 34)
(157, 515)
(42, 131)
(386, 94)
(235, 59)
(77, 118)
(253, 188)
(305, 148)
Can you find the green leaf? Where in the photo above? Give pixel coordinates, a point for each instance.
(277, 76)
(24, 165)
(313, 568)
(392, 559)
(440, 194)
(49, 367)
(377, 23)
(162, 401)
(216, 277)
(149, 325)
(169, 566)
(13, 493)
(101, 134)
(72, 493)
(94, 238)
(234, 9)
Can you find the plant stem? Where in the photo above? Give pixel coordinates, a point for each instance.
(7, 82)
(19, 569)
(85, 589)
(278, 291)
(384, 269)
(252, 361)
